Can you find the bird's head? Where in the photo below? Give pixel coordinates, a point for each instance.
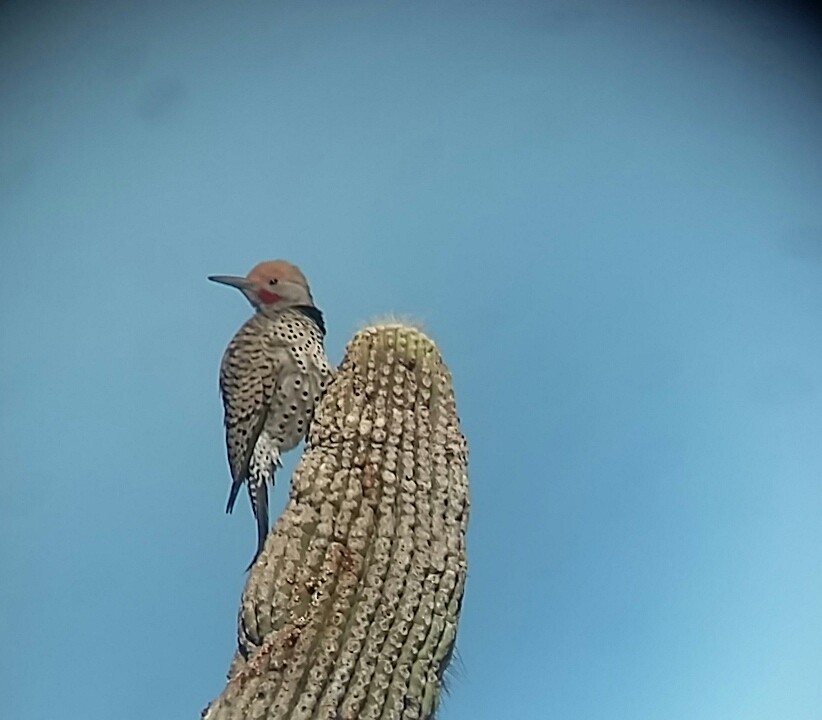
(271, 286)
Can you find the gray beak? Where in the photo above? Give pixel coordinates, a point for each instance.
(240, 283)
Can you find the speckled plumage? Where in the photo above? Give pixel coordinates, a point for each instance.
(272, 376)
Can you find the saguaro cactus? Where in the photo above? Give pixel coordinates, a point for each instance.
(351, 610)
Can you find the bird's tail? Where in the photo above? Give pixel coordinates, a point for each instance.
(258, 494)
(232, 495)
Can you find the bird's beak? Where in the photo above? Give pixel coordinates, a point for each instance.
(240, 283)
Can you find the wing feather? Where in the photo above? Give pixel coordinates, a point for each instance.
(248, 378)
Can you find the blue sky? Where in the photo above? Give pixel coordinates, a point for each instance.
(607, 214)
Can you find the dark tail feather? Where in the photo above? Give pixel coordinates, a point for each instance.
(232, 495)
(259, 503)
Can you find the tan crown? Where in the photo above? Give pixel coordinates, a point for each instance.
(280, 269)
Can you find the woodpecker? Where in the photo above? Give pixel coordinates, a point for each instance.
(272, 376)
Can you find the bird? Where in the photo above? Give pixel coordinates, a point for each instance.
(272, 376)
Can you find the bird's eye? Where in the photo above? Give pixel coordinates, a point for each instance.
(273, 281)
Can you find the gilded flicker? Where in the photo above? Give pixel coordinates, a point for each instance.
(272, 376)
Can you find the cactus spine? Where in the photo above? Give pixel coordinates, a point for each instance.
(351, 611)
